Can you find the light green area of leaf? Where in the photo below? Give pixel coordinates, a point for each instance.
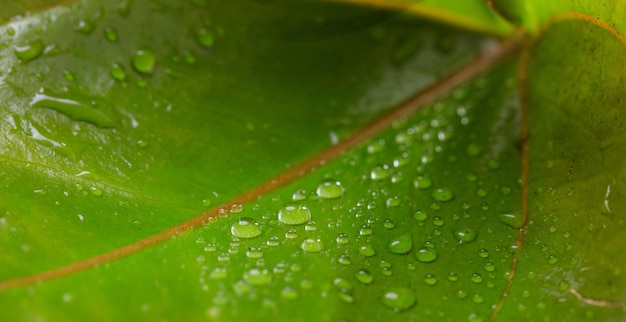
(532, 14)
(419, 223)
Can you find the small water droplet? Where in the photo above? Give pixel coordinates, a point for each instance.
(476, 278)
(376, 146)
(96, 191)
(393, 202)
(401, 244)
(299, 195)
(330, 189)
(117, 72)
(294, 214)
(367, 250)
(74, 109)
(552, 259)
(344, 260)
(380, 172)
(438, 221)
(30, 51)
(69, 75)
(291, 234)
(205, 38)
(310, 245)
(465, 235)
(364, 276)
(254, 253)
(388, 224)
(110, 34)
(399, 298)
(143, 61)
(420, 215)
(257, 276)
(245, 227)
(430, 279)
(365, 230)
(453, 277)
(289, 293)
(422, 182)
(310, 226)
(483, 253)
(443, 194)
(343, 239)
(426, 255)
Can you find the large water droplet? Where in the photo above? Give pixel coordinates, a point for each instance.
(294, 214)
(74, 109)
(143, 60)
(245, 227)
(30, 51)
(399, 298)
(401, 244)
(330, 189)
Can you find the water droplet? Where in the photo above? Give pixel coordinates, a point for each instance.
(310, 245)
(443, 194)
(376, 147)
(117, 72)
(299, 195)
(254, 253)
(30, 51)
(477, 298)
(110, 34)
(273, 241)
(367, 250)
(218, 273)
(552, 259)
(291, 234)
(422, 182)
(476, 278)
(330, 189)
(426, 255)
(84, 26)
(205, 38)
(380, 172)
(401, 244)
(438, 221)
(342, 239)
(289, 293)
(393, 202)
(365, 230)
(420, 215)
(310, 226)
(74, 109)
(465, 235)
(69, 75)
(364, 276)
(294, 214)
(399, 298)
(96, 191)
(257, 276)
(245, 227)
(430, 279)
(483, 253)
(144, 144)
(344, 260)
(401, 160)
(453, 277)
(489, 266)
(388, 224)
(514, 220)
(143, 61)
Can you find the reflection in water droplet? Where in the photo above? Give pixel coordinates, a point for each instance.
(330, 189)
(399, 298)
(401, 244)
(245, 227)
(30, 51)
(294, 214)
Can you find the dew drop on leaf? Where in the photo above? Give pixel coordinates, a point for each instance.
(367, 250)
(245, 227)
(399, 298)
(422, 182)
(364, 276)
(310, 245)
(380, 172)
(430, 279)
(143, 61)
(426, 255)
(512, 219)
(401, 244)
(204, 37)
(330, 189)
(110, 34)
(294, 214)
(443, 194)
(256, 276)
(465, 235)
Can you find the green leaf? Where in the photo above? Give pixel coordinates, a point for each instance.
(263, 161)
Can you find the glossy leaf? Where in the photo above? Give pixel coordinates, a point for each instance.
(501, 200)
